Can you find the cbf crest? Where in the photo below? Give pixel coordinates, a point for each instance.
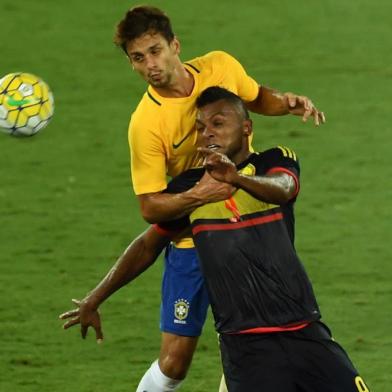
(181, 310)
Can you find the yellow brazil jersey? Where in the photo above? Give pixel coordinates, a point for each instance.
(162, 134)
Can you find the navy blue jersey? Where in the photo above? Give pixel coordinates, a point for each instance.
(246, 250)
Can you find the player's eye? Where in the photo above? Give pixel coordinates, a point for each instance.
(156, 51)
(137, 59)
(200, 127)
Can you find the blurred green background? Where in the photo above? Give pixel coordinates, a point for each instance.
(67, 209)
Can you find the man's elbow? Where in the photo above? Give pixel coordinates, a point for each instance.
(148, 215)
(147, 209)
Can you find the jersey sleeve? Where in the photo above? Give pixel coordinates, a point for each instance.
(282, 160)
(247, 87)
(148, 162)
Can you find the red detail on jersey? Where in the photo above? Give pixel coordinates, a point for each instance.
(238, 225)
(165, 232)
(272, 329)
(287, 171)
(231, 205)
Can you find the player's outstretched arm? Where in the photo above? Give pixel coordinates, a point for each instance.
(271, 102)
(139, 255)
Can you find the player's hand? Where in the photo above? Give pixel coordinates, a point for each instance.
(303, 106)
(210, 190)
(86, 316)
(219, 166)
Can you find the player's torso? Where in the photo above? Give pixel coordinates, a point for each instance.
(175, 117)
(178, 134)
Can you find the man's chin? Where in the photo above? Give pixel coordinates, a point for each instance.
(157, 83)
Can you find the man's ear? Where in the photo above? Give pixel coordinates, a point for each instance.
(175, 44)
(248, 127)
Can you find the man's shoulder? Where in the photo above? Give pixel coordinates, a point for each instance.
(279, 156)
(215, 57)
(147, 111)
(277, 152)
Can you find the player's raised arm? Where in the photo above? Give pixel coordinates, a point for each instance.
(278, 187)
(139, 255)
(271, 102)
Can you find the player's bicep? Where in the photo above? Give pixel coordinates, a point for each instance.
(286, 181)
(283, 161)
(148, 162)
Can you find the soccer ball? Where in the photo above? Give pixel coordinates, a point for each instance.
(26, 104)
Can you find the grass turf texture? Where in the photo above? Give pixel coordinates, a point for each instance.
(67, 210)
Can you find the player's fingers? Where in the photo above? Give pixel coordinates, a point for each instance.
(316, 118)
(292, 99)
(71, 323)
(306, 103)
(76, 301)
(70, 313)
(306, 115)
(99, 334)
(83, 331)
(322, 117)
(205, 151)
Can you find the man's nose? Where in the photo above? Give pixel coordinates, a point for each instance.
(150, 62)
(208, 132)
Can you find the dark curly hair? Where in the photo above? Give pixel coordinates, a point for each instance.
(140, 20)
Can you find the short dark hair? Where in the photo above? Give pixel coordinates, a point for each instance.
(140, 20)
(215, 93)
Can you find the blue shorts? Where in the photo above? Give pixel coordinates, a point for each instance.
(184, 295)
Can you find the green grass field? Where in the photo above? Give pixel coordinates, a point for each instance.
(67, 209)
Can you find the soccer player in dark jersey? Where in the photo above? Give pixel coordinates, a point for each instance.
(271, 336)
(264, 307)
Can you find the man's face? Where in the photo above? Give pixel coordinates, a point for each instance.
(221, 127)
(154, 58)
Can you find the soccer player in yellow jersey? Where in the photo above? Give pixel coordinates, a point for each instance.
(162, 140)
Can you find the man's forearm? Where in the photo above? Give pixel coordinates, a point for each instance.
(276, 189)
(139, 255)
(161, 207)
(269, 102)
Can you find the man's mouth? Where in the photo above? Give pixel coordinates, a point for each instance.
(213, 146)
(155, 75)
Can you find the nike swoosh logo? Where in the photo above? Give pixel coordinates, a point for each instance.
(20, 102)
(176, 145)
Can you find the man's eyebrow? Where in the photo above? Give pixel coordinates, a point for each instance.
(219, 113)
(155, 46)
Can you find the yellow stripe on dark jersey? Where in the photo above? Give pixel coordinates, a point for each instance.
(288, 153)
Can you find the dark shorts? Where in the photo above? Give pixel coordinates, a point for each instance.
(308, 360)
(184, 295)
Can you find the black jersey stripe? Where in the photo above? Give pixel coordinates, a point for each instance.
(153, 99)
(237, 225)
(193, 67)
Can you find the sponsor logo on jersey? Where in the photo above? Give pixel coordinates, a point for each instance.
(176, 145)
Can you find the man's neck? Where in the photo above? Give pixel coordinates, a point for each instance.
(242, 157)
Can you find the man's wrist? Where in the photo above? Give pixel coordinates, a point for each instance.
(237, 180)
(91, 301)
